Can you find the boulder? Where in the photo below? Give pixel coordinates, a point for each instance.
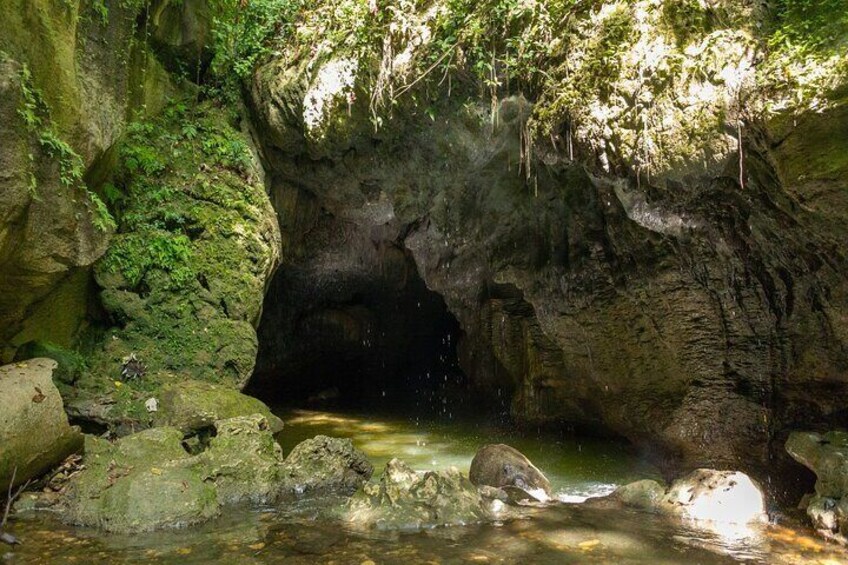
(244, 461)
(500, 466)
(646, 494)
(149, 480)
(705, 497)
(194, 405)
(325, 465)
(406, 499)
(143, 482)
(708, 495)
(34, 430)
(827, 456)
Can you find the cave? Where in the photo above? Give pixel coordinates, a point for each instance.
(375, 339)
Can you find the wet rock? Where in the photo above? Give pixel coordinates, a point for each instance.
(34, 430)
(716, 496)
(194, 405)
(406, 499)
(325, 465)
(244, 460)
(142, 482)
(644, 495)
(827, 456)
(500, 465)
(705, 497)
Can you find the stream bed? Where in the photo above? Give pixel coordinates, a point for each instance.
(559, 533)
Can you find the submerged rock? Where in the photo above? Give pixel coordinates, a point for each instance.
(34, 430)
(406, 499)
(499, 465)
(325, 465)
(193, 405)
(827, 456)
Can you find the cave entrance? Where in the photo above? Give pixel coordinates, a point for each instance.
(371, 337)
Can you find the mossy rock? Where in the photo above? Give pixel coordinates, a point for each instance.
(143, 482)
(325, 465)
(195, 405)
(244, 460)
(70, 363)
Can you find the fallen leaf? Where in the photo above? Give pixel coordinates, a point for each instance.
(257, 546)
(156, 470)
(39, 396)
(184, 550)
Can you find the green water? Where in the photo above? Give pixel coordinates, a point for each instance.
(557, 533)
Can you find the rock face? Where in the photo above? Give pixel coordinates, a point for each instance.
(148, 481)
(34, 430)
(405, 499)
(325, 465)
(584, 297)
(500, 465)
(827, 456)
(66, 97)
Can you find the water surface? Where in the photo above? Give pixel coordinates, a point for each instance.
(561, 533)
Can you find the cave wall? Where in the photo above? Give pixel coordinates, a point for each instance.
(696, 317)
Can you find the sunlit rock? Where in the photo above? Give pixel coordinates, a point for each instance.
(706, 495)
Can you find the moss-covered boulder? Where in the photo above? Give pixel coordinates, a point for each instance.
(325, 465)
(143, 482)
(405, 499)
(34, 430)
(194, 405)
(150, 480)
(244, 461)
(184, 277)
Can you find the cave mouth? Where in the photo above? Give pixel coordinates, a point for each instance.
(375, 340)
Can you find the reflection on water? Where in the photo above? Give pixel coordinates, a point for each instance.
(296, 533)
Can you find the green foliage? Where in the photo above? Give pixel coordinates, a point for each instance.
(812, 28)
(35, 114)
(242, 33)
(136, 254)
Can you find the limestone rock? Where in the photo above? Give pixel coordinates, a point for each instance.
(500, 466)
(244, 460)
(826, 455)
(405, 499)
(149, 480)
(707, 495)
(707, 498)
(34, 430)
(325, 465)
(644, 495)
(193, 405)
(143, 482)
